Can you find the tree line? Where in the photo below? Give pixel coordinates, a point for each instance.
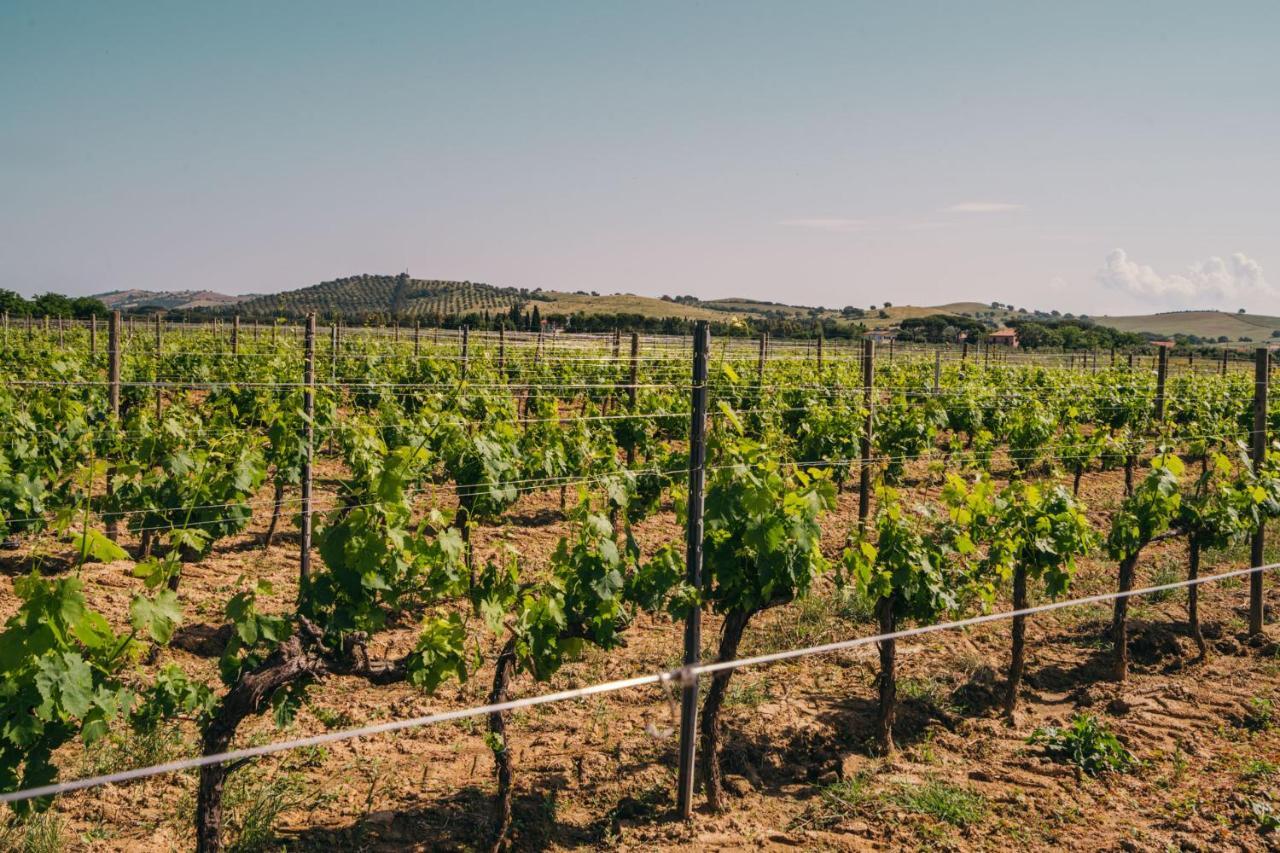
(51, 305)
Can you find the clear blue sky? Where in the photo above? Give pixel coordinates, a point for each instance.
(1092, 157)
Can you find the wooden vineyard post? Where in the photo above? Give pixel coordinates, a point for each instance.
(93, 333)
(617, 343)
(693, 568)
(632, 397)
(159, 346)
(537, 349)
(255, 329)
(819, 349)
(1162, 372)
(333, 352)
(6, 328)
(465, 342)
(235, 335)
(864, 443)
(308, 451)
(964, 351)
(417, 338)
(891, 340)
(502, 349)
(764, 345)
(1224, 362)
(30, 332)
(62, 340)
(937, 371)
(1261, 379)
(1130, 362)
(113, 400)
(1113, 356)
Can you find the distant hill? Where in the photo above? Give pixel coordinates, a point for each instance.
(368, 297)
(399, 296)
(172, 300)
(1206, 324)
(387, 295)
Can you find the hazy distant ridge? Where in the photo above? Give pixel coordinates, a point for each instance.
(172, 300)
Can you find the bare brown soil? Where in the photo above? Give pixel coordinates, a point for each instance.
(599, 773)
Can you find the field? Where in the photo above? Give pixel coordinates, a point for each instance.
(1206, 324)
(503, 523)
(623, 303)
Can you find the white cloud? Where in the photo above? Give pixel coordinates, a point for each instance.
(1213, 281)
(984, 207)
(827, 224)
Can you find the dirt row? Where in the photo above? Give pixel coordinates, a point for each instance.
(599, 772)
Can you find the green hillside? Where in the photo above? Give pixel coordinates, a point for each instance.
(389, 296)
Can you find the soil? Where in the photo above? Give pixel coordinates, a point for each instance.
(600, 772)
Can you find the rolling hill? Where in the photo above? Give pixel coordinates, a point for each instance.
(1206, 324)
(368, 296)
(393, 296)
(172, 300)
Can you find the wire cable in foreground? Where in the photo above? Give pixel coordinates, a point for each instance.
(675, 676)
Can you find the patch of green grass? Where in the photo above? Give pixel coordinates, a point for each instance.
(130, 748)
(1265, 815)
(949, 803)
(1259, 768)
(40, 833)
(1184, 806)
(253, 804)
(816, 618)
(1166, 573)
(836, 803)
(749, 695)
(1260, 715)
(931, 691)
(332, 719)
(1086, 743)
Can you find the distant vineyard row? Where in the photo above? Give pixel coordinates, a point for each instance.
(389, 296)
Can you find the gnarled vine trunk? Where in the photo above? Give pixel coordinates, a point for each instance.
(287, 665)
(277, 506)
(1119, 621)
(1193, 597)
(292, 662)
(735, 622)
(1017, 659)
(888, 676)
(502, 674)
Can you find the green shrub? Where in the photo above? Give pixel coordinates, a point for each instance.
(950, 803)
(1087, 744)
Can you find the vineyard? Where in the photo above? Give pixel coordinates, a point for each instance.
(437, 589)
(386, 296)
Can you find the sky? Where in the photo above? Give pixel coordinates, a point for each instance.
(1090, 157)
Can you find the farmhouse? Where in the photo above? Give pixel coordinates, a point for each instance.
(882, 336)
(1004, 337)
